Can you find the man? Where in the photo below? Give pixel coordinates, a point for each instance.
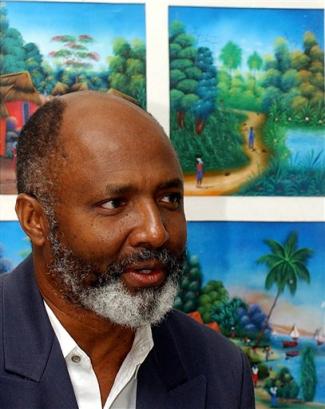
(86, 320)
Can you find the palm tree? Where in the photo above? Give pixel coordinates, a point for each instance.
(287, 265)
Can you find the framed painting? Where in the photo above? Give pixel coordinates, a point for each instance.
(262, 285)
(247, 113)
(60, 48)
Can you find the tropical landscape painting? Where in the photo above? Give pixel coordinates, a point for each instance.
(61, 48)
(247, 113)
(262, 285)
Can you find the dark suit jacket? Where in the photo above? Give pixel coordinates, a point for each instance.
(190, 366)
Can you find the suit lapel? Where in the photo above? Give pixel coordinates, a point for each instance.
(163, 381)
(30, 348)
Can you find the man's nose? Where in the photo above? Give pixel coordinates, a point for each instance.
(150, 230)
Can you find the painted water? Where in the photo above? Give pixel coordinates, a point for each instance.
(307, 146)
(294, 364)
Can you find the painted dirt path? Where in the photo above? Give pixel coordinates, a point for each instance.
(228, 181)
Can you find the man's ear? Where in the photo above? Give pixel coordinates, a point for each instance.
(32, 218)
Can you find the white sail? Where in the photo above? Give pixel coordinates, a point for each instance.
(294, 333)
(319, 336)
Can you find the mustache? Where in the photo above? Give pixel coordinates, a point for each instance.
(172, 263)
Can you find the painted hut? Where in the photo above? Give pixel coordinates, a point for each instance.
(18, 101)
(60, 89)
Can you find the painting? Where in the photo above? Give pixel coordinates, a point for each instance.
(262, 285)
(247, 113)
(61, 48)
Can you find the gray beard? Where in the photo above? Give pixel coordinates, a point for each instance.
(104, 293)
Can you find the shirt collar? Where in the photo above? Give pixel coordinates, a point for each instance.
(142, 343)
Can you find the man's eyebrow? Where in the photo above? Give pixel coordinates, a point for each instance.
(122, 189)
(116, 189)
(172, 183)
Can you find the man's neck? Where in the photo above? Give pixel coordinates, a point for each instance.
(105, 343)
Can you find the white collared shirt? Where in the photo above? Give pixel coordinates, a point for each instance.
(83, 377)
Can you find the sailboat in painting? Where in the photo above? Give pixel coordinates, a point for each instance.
(294, 334)
(319, 336)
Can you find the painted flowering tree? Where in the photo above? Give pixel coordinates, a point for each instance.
(74, 52)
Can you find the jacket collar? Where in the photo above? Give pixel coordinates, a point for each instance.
(163, 380)
(27, 336)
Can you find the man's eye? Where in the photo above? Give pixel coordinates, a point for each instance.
(174, 200)
(113, 204)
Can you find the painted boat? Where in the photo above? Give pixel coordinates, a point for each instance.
(294, 334)
(319, 336)
(292, 354)
(289, 344)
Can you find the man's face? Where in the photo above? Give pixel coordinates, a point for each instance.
(119, 232)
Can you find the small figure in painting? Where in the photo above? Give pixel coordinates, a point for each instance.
(273, 393)
(255, 375)
(199, 171)
(251, 138)
(268, 352)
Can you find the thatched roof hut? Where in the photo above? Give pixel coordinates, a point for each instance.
(60, 89)
(79, 86)
(17, 87)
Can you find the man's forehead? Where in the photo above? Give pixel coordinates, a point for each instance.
(101, 128)
(89, 103)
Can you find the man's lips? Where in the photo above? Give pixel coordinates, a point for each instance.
(143, 275)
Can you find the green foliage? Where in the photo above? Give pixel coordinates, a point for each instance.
(308, 374)
(12, 56)
(212, 295)
(226, 314)
(190, 286)
(287, 264)
(255, 61)
(263, 371)
(220, 144)
(287, 387)
(231, 55)
(34, 64)
(127, 68)
(282, 179)
(193, 74)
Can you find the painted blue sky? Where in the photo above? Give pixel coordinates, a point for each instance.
(38, 22)
(228, 252)
(252, 29)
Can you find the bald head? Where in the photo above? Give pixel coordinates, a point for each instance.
(66, 127)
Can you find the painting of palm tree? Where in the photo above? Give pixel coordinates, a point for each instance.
(287, 265)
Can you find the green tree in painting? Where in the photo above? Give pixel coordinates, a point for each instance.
(190, 286)
(281, 79)
(12, 56)
(287, 264)
(231, 55)
(212, 295)
(184, 73)
(127, 68)
(287, 387)
(255, 62)
(206, 88)
(310, 66)
(308, 374)
(34, 64)
(227, 315)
